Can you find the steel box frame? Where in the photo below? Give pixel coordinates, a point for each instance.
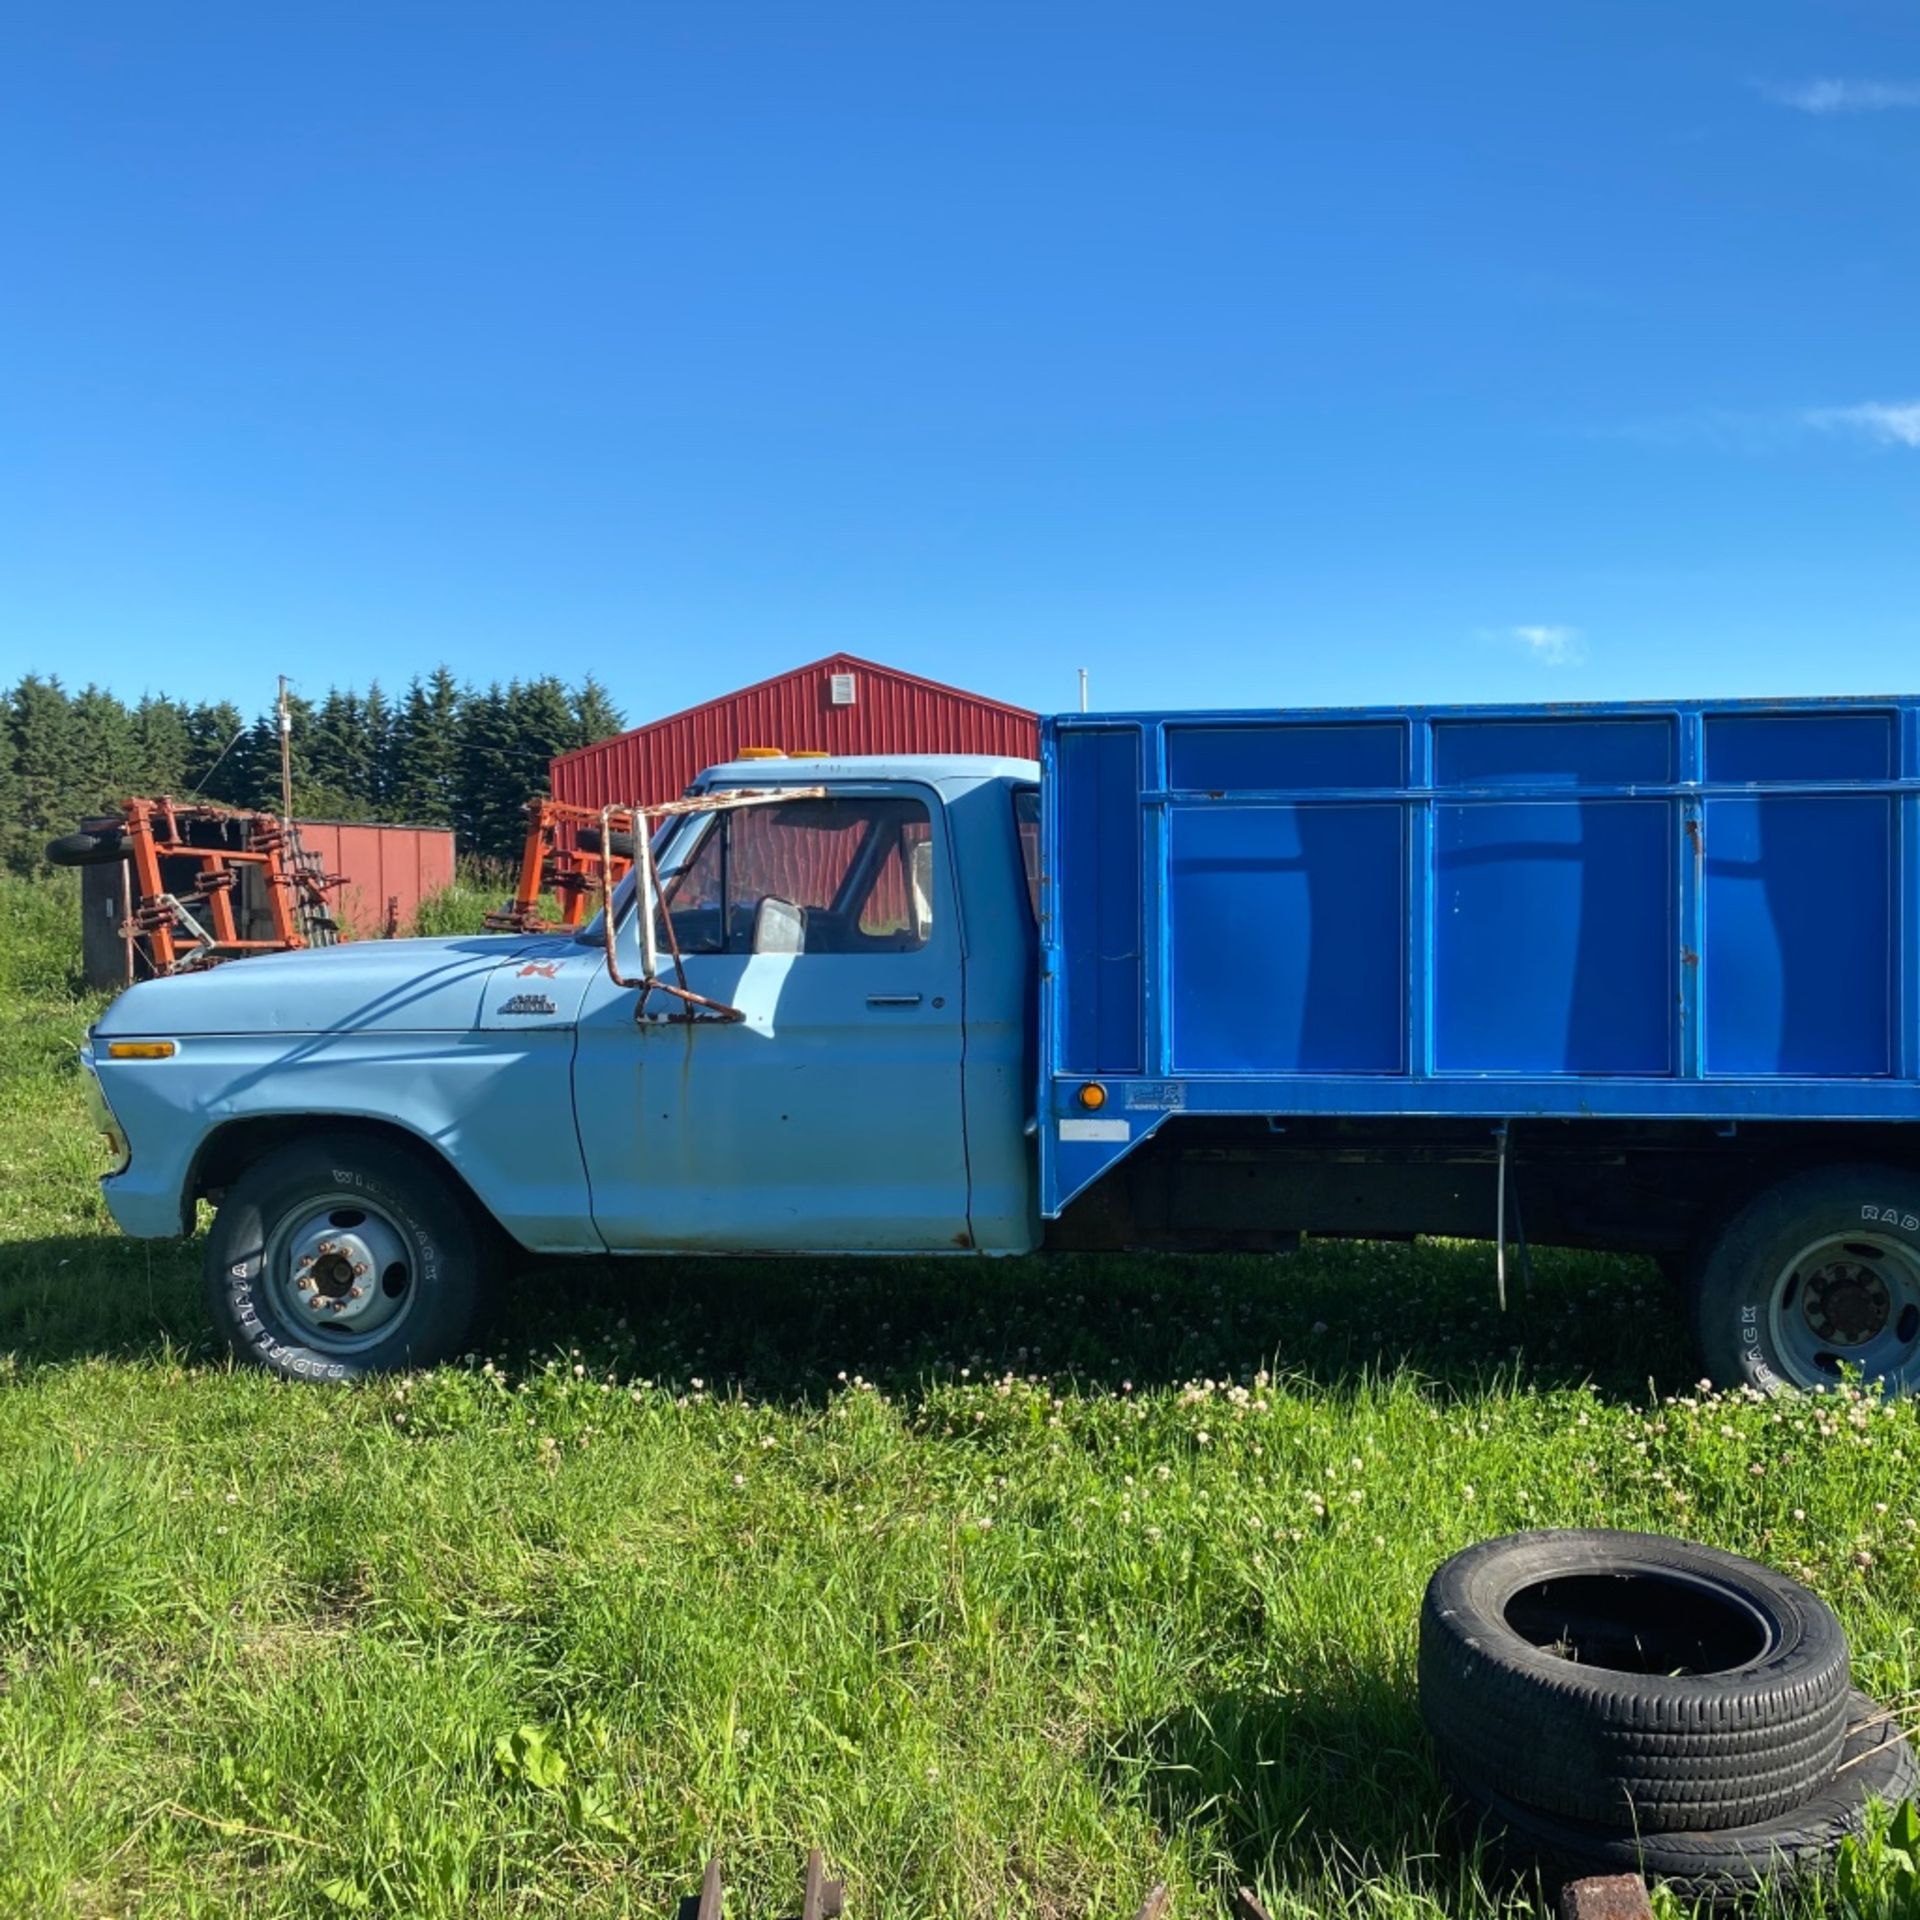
(1077, 1146)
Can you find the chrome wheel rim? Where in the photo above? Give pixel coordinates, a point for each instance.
(341, 1274)
(1849, 1303)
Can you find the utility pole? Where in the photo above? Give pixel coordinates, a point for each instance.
(1083, 689)
(286, 756)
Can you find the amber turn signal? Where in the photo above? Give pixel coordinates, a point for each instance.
(1093, 1096)
(141, 1049)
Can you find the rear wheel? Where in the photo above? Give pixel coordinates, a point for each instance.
(1817, 1281)
(334, 1258)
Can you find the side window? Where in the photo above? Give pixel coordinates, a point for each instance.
(899, 907)
(807, 876)
(1026, 823)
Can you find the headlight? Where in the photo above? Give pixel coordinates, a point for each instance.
(102, 1115)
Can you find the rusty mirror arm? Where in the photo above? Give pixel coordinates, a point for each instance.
(647, 895)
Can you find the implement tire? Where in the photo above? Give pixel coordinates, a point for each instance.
(1631, 1681)
(101, 849)
(619, 843)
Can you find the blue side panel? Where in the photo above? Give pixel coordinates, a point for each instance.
(1230, 759)
(1098, 897)
(1553, 752)
(1554, 946)
(1750, 748)
(1287, 929)
(1800, 898)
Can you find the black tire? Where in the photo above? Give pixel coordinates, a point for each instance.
(1877, 1764)
(88, 849)
(1746, 1735)
(417, 1210)
(619, 842)
(1747, 1320)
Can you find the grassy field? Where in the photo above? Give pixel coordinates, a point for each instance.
(1018, 1587)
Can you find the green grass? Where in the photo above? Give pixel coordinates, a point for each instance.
(1017, 1586)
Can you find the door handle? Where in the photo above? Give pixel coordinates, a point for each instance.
(893, 999)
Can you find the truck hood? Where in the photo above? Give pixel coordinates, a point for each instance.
(394, 986)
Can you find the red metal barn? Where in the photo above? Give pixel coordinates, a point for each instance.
(838, 705)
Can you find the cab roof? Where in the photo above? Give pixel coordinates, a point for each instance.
(941, 770)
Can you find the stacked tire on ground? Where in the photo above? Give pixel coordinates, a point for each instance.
(1626, 1703)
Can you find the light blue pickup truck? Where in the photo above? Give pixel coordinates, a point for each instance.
(1639, 977)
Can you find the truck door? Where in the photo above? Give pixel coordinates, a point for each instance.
(830, 1116)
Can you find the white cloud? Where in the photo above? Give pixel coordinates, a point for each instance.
(1843, 96)
(1551, 646)
(1894, 423)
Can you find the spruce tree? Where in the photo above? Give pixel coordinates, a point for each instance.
(337, 760)
(163, 746)
(429, 744)
(47, 798)
(377, 720)
(488, 814)
(541, 725)
(216, 765)
(105, 760)
(595, 717)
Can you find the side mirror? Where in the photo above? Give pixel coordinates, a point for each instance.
(779, 926)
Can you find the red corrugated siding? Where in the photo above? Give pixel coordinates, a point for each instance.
(380, 863)
(893, 712)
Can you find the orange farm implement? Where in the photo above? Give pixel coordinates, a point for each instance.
(204, 883)
(570, 851)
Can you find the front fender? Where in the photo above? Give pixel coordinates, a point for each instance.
(497, 1107)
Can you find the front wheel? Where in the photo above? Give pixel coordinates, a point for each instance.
(1815, 1282)
(334, 1258)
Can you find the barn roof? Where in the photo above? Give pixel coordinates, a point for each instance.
(884, 710)
(830, 663)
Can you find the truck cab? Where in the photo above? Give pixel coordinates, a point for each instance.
(874, 935)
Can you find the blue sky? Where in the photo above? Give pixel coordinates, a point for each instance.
(1245, 355)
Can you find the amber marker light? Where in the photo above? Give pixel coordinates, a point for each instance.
(141, 1049)
(1093, 1096)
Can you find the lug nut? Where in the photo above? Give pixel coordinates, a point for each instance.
(354, 1293)
(359, 1268)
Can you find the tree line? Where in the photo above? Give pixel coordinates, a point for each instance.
(442, 755)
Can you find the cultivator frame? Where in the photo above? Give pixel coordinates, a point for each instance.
(216, 916)
(572, 874)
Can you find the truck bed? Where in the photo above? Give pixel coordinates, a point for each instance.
(1695, 910)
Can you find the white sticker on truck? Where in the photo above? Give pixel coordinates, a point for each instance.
(1095, 1130)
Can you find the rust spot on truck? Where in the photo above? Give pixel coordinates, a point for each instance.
(964, 1238)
